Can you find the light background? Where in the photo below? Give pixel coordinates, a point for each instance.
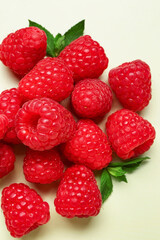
(128, 30)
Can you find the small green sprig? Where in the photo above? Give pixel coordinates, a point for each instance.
(117, 170)
(56, 44)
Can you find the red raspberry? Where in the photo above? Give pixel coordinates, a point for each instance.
(131, 83)
(129, 134)
(89, 146)
(3, 125)
(7, 159)
(43, 123)
(43, 167)
(85, 57)
(91, 98)
(24, 209)
(10, 102)
(21, 50)
(78, 194)
(49, 78)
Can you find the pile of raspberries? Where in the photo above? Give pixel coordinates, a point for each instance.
(31, 114)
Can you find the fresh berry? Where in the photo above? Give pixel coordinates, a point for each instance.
(24, 209)
(49, 78)
(88, 146)
(43, 123)
(7, 159)
(21, 50)
(129, 134)
(10, 102)
(43, 167)
(85, 57)
(91, 98)
(3, 125)
(131, 83)
(78, 194)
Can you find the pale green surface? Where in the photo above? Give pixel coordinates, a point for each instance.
(127, 30)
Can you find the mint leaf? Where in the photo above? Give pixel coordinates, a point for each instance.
(121, 178)
(116, 171)
(74, 32)
(106, 186)
(57, 37)
(59, 43)
(130, 168)
(134, 161)
(50, 38)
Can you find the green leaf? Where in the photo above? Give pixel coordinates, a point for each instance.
(50, 38)
(135, 161)
(131, 162)
(59, 43)
(74, 32)
(106, 186)
(116, 171)
(121, 178)
(57, 37)
(130, 168)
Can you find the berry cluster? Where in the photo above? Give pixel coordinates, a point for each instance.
(32, 114)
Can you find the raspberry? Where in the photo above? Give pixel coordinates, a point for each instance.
(43, 123)
(10, 102)
(129, 134)
(85, 57)
(3, 125)
(21, 50)
(7, 159)
(78, 194)
(89, 146)
(91, 98)
(43, 167)
(131, 83)
(49, 78)
(24, 209)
